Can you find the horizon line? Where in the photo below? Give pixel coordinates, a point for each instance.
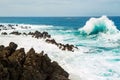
(63, 16)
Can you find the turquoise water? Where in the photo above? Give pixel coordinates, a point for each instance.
(70, 22)
(98, 40)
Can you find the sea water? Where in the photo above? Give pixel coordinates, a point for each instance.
(97, 39)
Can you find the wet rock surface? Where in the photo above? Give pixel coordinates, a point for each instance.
(18, 65)
(62, 46)
(15, 33)
(38, 34)
(47, 37)
(3, 33)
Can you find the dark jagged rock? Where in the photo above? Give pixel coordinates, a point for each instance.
(1, 47)
(4, 74)
(38, 34)
(30, 33)
(52, 41)
(7, 51)
(29, 66)
(25, 33)
(3, 33)
(61, 46)
(47, 37)
(15, 33)
(43, 68)
(18, 57)
(13, 45)
(1, 25)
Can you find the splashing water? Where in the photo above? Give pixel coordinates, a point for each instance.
(98, 56)
(97, 25)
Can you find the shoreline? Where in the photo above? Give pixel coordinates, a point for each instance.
(36, 34)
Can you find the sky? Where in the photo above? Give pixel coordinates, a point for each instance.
(59, 7)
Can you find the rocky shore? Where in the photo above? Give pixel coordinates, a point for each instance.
(47, 37)
(18, 65)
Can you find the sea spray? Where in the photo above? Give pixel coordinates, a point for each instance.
(96, 59)
(98, 25)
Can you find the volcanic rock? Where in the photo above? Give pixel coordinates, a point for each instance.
(3, 33)
(19, 65)
(15, 33)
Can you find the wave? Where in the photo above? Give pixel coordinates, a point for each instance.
(99, 25)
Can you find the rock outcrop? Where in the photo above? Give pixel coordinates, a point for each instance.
(62, 46)
(18, 65)
(47, 37)
(3, 33)
(15, 33)
(38, 34)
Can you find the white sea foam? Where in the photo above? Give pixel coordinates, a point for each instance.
(96, 59)
(80, 66)
(96, 25)
(24, 26)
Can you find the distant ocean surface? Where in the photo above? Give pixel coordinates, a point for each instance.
(67, 22)
(97, 39)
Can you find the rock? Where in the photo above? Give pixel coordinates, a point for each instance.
(61, 46)
(59, 77)
(58, 69)
(52, 41)
(15, 33)
(13, 45)
(38, 34)
(29, 66)
(7, 51)
(41, 66)
(25, 34)
(3, 33)
(32, 67)
(69, 47)
(1, 47)
(1, 25)
(18, 57)
(46, 35)
(30, 33)
(4, 74)
(10, 25)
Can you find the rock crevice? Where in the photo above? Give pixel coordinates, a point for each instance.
(18, 65)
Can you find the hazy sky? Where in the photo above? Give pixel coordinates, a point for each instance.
(59, 7)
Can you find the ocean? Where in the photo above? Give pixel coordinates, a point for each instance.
(97, 39)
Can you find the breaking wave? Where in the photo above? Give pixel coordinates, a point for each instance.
(99, 25)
